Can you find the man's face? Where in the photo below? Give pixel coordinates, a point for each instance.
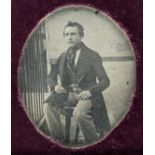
(72, 36)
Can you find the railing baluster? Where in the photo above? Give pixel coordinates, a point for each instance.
(32, 75)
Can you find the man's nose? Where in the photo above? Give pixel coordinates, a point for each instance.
(69, 37)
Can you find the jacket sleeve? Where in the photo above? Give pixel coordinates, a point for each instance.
(52, 76)
(100, 73)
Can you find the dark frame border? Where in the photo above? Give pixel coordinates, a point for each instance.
(127, 138)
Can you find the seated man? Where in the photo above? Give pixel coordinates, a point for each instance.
(78, 69)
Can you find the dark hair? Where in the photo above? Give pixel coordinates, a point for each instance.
(79, 26)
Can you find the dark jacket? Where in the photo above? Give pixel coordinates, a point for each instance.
(88, 68)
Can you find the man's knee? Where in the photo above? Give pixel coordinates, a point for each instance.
(82, 111)
(79, 116)
(55, 99)
(46, 107)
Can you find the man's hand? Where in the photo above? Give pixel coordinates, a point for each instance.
(84, 95)
(59, 89)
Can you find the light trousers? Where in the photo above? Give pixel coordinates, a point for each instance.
(81, 115)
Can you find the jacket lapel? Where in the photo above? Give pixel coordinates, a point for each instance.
(61, 65)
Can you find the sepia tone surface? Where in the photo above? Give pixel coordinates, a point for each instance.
(46, 44)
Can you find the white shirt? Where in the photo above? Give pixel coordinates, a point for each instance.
(77, 57)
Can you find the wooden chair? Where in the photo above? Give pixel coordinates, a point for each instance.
(68, 116)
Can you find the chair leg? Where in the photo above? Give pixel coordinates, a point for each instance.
(68, 125)
(77, 134)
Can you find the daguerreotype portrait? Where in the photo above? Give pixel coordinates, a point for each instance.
(76, 76)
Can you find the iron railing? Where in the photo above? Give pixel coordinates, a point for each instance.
(32, 74)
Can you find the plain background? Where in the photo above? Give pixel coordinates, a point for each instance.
(149, 77)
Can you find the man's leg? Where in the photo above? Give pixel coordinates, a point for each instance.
(52, 116)
(84, 120)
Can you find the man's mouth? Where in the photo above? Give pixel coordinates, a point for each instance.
(70, 42)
